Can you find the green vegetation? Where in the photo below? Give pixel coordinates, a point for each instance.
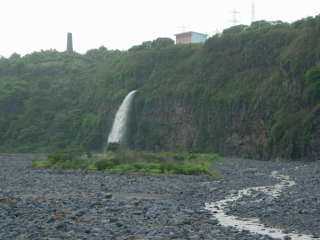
(252, 91)
(125, 161)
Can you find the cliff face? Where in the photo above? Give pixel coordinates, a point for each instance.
(243, 94)
(251, 92)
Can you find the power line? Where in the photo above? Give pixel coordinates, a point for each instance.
(235, 20)
(253, 12)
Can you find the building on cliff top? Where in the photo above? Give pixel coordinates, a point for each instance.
(190, 37)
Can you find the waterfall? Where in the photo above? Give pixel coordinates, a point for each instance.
(119, 127)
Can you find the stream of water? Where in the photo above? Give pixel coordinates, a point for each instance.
(252, 224)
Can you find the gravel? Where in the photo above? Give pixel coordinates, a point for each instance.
(298, 208)
(52, 204)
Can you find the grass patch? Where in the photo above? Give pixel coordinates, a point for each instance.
(125, 161)
(40, 164)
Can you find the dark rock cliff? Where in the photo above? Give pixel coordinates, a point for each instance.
(253, 91)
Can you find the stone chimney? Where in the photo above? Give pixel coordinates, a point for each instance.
(69, 43)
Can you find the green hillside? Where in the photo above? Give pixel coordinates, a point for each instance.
(253, 91)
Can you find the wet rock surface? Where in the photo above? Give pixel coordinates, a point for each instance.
(48, 204)
(297, 210)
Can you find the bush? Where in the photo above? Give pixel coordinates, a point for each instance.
(69, 154)
(133, 161)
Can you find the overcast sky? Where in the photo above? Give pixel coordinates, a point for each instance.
(32, 25)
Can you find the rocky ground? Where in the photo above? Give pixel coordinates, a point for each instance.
(46, 204)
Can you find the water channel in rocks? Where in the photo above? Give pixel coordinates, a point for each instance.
(253, 225)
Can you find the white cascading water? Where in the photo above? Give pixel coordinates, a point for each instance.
(218, 209)
(119, 127)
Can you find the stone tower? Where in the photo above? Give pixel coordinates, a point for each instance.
(69, 43)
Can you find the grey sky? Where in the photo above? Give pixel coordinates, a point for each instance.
(32, 25)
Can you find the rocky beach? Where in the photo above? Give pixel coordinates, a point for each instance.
(55, 204)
